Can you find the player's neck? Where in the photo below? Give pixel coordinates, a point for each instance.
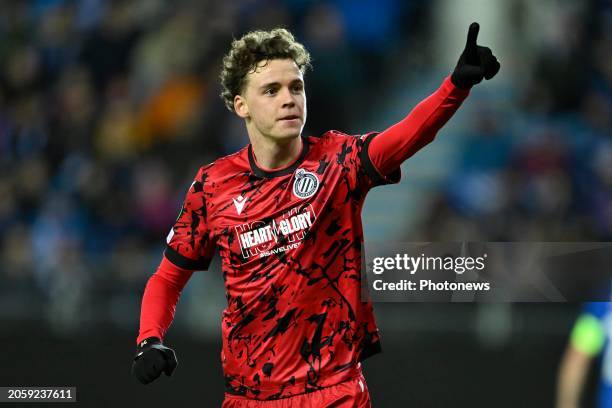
(273, 154)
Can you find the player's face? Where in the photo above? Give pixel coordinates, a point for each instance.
(274, 101)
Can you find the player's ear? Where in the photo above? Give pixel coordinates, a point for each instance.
(240, 106)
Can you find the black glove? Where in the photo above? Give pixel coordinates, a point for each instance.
(152, 357)
(475, 62)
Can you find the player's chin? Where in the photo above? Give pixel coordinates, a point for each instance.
(288, 133)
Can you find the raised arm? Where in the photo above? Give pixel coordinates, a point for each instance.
(396, 144)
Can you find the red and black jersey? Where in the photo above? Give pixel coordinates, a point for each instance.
(290, 243)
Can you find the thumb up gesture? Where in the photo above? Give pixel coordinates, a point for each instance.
(475, 62)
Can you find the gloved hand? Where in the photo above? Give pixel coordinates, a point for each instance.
(151, 359)
(475, 62)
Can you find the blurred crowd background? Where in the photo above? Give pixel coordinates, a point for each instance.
(108, 108)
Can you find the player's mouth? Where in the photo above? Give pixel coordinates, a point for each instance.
(290, 119)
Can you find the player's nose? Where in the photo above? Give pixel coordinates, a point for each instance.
(287, 98)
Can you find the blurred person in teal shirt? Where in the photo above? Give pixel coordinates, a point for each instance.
(588, 341)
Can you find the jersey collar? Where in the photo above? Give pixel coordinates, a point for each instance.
(259, 172)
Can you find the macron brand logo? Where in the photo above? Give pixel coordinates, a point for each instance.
(239, 203)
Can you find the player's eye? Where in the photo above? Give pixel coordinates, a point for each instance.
(270, 91)
(298, 88)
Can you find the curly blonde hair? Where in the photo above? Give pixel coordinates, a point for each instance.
(253, 48)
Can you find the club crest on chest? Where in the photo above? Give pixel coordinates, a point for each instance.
(305, 184)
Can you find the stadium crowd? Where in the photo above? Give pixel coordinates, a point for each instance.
(107, 108)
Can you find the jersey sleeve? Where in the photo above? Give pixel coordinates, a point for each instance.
(400, 141)
(160, 298)
(189, 243)
(352, 155)
(588, 335)
(369, 175)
